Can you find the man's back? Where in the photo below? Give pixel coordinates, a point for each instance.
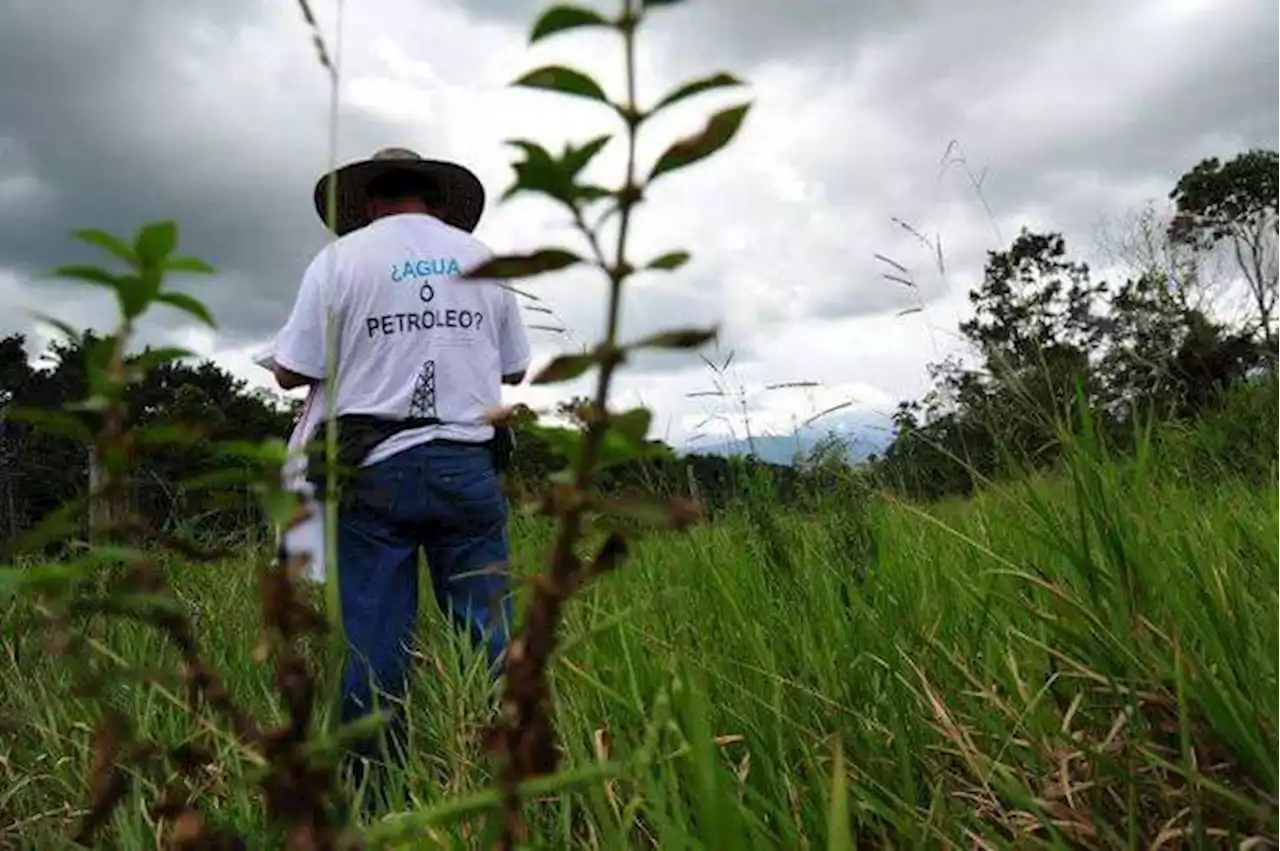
(414, 339)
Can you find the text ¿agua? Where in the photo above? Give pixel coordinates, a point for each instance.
(412, 269)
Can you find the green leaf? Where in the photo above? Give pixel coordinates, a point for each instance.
(651, 4)
(561, 18)
(633, 424)
(188, 304)
(273, 451)
(839, 836)
(53, 321)
(37, 578)
(145, 607)
(669, 261)
(226, 477)
(538, 172)
(412, 825)
(167, 434)
(89, 275)
(155, 242)
(620, 449)
(720, 130)
(509, 266)
(562, 442)
(53, 422)
(653, 512)
(135, 294)
(558, 78)
(592, 193)
(564, 368)
(152, 358)
(576, 159)
(57, 524)
(106, 241)
(193, 265)
(680, 338)
(696, 87)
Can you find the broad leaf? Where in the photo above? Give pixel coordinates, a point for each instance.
(188, 264)
(669, 261)
(558, 78)
(539, 171)
(188, 304)
(54, 322)
(592, 193)
(680, 338)
(152, 358)
(106, 241)
(563, 442)
(633, 424)
(720, 130)
(576, 159)
(53, 422)
(561, 18)
(135, 294)
(564, 368)
(510, 266)
(659, 514)
(695, 87)
(89, 275)
(155, 242)
(620, 449)
(41, 578)
(59, 524)
(168, 434)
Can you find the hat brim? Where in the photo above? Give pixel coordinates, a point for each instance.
(462, 193)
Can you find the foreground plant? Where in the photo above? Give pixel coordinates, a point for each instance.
(524, 736)
(120, 577)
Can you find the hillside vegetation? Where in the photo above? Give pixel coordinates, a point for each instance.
(1088, 658)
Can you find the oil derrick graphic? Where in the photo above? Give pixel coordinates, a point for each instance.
(423, 403)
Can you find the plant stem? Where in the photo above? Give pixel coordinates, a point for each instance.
(528, 737)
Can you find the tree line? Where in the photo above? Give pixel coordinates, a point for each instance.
(45, 460)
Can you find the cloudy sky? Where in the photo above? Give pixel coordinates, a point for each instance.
(216, 113)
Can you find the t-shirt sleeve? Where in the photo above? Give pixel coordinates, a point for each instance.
(300, 345)
(513, 337)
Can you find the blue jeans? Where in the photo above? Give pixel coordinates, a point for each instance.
(446, 498)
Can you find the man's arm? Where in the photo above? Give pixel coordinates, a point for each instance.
(288, 379)
(299, 352)
(513, 341)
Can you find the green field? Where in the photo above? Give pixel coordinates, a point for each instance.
(1082, 660)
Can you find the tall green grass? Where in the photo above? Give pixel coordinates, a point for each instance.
(1087, 659)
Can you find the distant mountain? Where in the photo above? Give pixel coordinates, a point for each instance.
(867, 434)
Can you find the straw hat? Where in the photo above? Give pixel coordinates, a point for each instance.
(462, 194)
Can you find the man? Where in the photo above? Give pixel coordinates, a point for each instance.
(413, 342)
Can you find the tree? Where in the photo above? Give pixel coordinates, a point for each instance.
(1038, 329)
(1139, 244)
(1235, 204)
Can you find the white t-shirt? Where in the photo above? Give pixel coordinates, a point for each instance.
(414, 339)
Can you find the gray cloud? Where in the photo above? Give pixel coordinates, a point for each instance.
(204, 112)
(118, 118)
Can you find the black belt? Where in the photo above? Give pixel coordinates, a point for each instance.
(359, 434)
